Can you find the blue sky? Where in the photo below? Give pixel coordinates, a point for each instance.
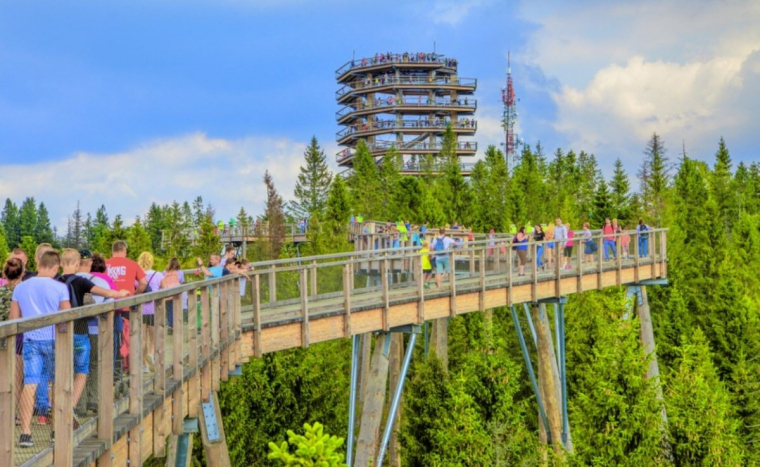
(133, 102)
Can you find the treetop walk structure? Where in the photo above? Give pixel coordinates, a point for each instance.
(405, 101)
(296, 303)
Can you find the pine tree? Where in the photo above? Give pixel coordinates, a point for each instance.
(43, 232)
(77, 228)
(155, 225)
(10, 222)
(338, 209)
(27, 217)
(453, 192)
(275, 218)
(702, 430)
(118, 231)
(620, 186)
(312, 184)
(199, 212)
(138, 239)
(243, 219)
(177, 232)
(207, 241)
(30, 247)
(389, 175)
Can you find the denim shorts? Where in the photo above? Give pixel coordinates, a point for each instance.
(81, 354)
(443, 264)
(39, 361)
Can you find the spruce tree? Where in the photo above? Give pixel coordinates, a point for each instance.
(620, 187)
(207, 241)
(199, 212)
(27, 217)
(43, 232)
(364, 183)
(722, 189)
(155, 225)
(10, 222)
(702, 430)
(30, 247)
(275, 218)
(4, 250)
(603, 207)
(138, 239)
(313, 182)
(390, 177)
(655, 179)
(453, 192)
(338, 209)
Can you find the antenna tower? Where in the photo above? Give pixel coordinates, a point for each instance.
(509, 115)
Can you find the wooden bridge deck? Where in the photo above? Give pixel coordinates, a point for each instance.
(143, 409)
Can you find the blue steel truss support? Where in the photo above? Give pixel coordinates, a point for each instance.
(526, 308)
(531, 374)
(560, 310)
(356, 352)
(396, 397)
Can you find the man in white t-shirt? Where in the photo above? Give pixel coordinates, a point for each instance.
(442, 246)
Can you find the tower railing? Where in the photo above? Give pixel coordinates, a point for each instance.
(406, 125)
(405, 81)
(460, 105)
(420, 58)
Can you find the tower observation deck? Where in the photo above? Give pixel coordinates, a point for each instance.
(404, 101)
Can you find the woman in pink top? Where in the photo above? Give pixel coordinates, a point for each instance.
(625, 240)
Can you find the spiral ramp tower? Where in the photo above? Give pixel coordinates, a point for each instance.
(404, 101)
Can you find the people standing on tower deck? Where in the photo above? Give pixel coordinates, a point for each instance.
(643, 231)
(539, 236)
(589, 247)
(520, 245)
(129, 276)
(78, 288)
(145, 261)
(568, 253)
(229, 253)
(441, 245)
(608, 239)
(38, 296)
(625, 242)
(560, 234)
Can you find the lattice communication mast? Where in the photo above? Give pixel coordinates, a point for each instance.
(509, 116)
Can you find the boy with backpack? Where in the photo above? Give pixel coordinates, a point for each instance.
(643, 231)
(441, 245)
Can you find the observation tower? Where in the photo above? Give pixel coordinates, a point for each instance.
(404, 100)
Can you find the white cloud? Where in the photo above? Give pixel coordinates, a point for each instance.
(685, 69)
(452, 12)
(227, 173)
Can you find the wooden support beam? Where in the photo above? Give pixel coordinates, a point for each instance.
(347, 278)
(619, 260)
(558, 255)
(482, 279)
(534, 266)
(636, 259)
(105, 384)
(217, 454)
(232, 292)
(600, 264)
(579, 261)
(395, 361)
(194, 385)
(136, 379)
(372, 413)
(238, 323)
(63, 396)
(510, 295)
(472, 261)
(178, 397)
(663, 255)
(304, 311)
(159, 381)
(8, 400)
(256, 293)
(420, 290)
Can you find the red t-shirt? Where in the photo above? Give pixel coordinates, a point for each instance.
(124, 273)
(608, 232)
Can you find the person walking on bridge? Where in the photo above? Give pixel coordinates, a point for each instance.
(441, 245)
(608, 232)
(560, 234)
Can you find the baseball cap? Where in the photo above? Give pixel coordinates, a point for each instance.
(85, 254)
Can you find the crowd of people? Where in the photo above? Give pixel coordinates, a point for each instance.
(73, 278)
(406, 57)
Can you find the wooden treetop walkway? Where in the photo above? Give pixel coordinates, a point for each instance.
(293, 303)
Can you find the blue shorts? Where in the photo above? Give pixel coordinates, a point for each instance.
(443, 264)
(39, 361)
(81, 354)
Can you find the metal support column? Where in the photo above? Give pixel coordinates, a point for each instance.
(531, 374)
(526, 308)
(560, 310)
(355, 349)
(396, 398)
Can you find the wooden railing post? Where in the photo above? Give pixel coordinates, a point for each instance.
(304, 310)
(346, 300)
(619, 259)
(216, 376)
(472, 260)
(314, 278)
(194, 385)
(159, 381)
(558, 255)
(256, 292)
(272, 285)
(63, 395)
(8, 400)
(385, 293)
(663, 254)
(238, 322)
(105, 384)
(579, 260)
(178, 397)
(205, 345)
(224, 356)
(600, 263)
(637, 259)
(232, 291)
(453, 280)
(534, 266)
(482, 280)
(510, 294)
